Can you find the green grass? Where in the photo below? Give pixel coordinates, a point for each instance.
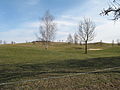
(27, 61)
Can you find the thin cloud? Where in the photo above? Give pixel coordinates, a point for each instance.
(67, 21)
(34, 24)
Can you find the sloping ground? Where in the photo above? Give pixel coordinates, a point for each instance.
(96, 81)
(27, 62)
(11, 73)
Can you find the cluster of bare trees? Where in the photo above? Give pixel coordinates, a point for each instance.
(70, 39)
(86, 28)
(73, 39)
(13, 42)
(117, 41)
(76, 38)
(3, 42)
(85, 33)
(48, 30)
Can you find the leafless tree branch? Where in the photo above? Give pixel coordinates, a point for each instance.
(114, 8)
(47, 30)
(86, 31)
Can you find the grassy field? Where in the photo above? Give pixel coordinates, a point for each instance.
(28, 61)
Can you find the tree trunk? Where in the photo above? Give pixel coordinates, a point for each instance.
(85, 47)
(46, 45)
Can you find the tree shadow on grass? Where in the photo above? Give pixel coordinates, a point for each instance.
(19, 71)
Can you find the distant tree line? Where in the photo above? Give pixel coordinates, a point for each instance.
(5, 42)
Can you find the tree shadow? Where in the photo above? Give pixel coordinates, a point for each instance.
(57, 67)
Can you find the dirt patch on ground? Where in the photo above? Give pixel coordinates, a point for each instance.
(94, 49)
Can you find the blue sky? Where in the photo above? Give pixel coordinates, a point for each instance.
(19, 19)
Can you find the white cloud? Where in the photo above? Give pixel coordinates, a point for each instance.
(18, 35)
(59, 23)
(34, 24)
(67, 23)
(72, 18)
(106, 30)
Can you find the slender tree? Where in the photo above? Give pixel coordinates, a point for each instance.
(47, 29)
(86, 31)
(118, 42)
(69, 39)
(101, 42)
(4, 42)
(0, 41)
(76, 39)
(112, 43)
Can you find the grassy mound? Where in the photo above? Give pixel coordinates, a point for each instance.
(31, 61)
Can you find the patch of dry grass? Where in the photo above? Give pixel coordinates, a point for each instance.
(98, 81)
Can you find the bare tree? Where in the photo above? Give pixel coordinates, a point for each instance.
(114, 9)
(69, 39)
(101, 42)
(112, 43)
(4, 42)
(0, 41)
(76, 39)
(12, 42)
(47, 29)
(118, 42)
(80, 42)
(86, 31)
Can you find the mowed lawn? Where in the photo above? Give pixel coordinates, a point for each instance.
(31, 61)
